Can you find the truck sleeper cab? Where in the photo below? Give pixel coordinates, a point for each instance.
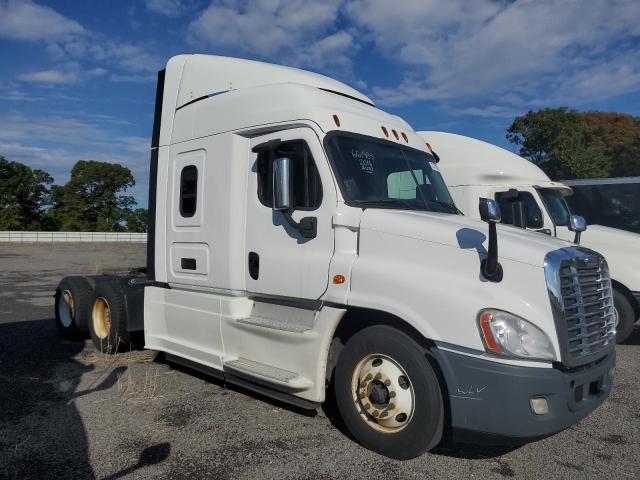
(530, 200)
(303, 244)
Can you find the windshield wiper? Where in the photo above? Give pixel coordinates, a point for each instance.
(388, 202)
(450, 206)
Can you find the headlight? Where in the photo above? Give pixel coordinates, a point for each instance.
(507, 334)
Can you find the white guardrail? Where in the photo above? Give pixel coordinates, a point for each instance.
(15, 236)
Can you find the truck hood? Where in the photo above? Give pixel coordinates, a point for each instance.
(606, 237)
(461, 232)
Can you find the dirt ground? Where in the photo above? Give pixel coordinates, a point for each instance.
(67, 411)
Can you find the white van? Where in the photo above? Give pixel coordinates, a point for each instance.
(529, 199)
(302, 244)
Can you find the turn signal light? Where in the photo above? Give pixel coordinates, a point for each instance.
(487, 333)
(338, 279)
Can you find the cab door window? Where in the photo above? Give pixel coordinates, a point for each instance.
(520, 209)
(188, 191)
(307, 188)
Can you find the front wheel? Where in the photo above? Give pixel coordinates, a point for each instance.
(626, 316)
(388, 394)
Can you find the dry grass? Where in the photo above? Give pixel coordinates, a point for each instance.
(137, 380)
(138, 391)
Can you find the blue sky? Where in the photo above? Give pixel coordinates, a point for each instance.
(77, 77)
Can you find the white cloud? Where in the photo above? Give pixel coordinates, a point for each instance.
(491, 111)
(453, 49)
(50, 76)
(168, 8)
(295, 32)
(72, 74)
(24, 20)
(79, 54)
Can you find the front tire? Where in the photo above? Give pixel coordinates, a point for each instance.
(108, 323)
(626, 316)
(388, 394)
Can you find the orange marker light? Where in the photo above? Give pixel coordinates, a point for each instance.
(385, 131)
(337, 120)
(338, 279)
(429, 147)
(485, 326)
(406, 139)
(395, 134)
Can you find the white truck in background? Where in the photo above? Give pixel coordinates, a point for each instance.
(611, 202)
(528, 199)
(302, 244)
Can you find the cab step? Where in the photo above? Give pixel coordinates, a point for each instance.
(280, 317)
(276, 324)
(267, 374)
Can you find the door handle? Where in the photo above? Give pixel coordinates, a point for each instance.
(188, 263)
(254, 265)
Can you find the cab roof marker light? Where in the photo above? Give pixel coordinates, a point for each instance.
(336, 120)
(395, 134)
(385, 131)
(404, 136)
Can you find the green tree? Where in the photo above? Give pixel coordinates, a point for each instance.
(94, 197)
(137, 220)
(24, 196)
(566, 143)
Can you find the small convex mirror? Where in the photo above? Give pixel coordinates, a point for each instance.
(489, 210)
(282, 195)
(577, 223)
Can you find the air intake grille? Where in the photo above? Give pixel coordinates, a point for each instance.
(587, 301)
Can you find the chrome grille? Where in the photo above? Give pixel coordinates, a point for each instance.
(582, 297)
(588, 305)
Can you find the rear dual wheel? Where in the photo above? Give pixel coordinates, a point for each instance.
(108, 323)
(388, 394)
(73, 300)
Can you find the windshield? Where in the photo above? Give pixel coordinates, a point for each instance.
(614, 205)
(376, 173)
(556, 206)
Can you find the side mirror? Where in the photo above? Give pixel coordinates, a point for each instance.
(490, 213)
(578, 225)
(282, 194)
(489, 210)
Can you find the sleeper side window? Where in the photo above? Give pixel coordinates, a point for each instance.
(521, 211)
(307, 188)
(188, 191)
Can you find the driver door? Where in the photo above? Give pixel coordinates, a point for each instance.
(280, 260)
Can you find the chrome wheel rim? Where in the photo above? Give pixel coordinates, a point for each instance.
(66, 305)
(383, 393)
(101, 318)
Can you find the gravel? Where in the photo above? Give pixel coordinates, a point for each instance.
(67, 411)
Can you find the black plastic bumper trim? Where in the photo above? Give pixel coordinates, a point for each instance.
(493, 399)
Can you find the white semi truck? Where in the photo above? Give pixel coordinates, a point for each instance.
(302, 244)
(529, 199)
